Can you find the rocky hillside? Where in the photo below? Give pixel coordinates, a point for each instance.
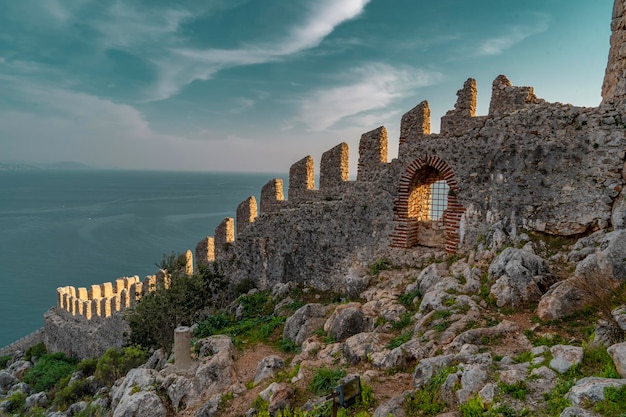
(521, 326)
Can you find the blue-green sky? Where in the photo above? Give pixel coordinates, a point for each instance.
(254, 85)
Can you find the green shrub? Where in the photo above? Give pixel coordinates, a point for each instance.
(87, 366)
(71, 394)
(154, 318)
(16, 402)
(34, 352)
(288, 346)
(556, 400)
(116, 362)
(427, 401)
(4, 360)
(48, 370)
(325, 379)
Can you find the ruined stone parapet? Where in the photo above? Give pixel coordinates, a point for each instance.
(246, 213)
(301, 178)
(506, 98)
(463, 118)
(272, 197)
(188, 258)
(100, 300)
(205, 251)
(335, 166)
(415, 123)
(372, 154)
(224, 238)
(614, 85)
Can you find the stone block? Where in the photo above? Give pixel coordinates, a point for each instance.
(301, 178)
(246, 213)
(373, 149)
(224, 237)
(272, 196)
(205, 251)
(334, 167)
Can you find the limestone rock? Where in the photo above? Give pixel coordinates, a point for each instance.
(564, 357)
(126, 401)
(561, 300)
(394, 407)
(281, 398)
(577, 412)
(618, 214)
(427, 367)
(19, 368)
(213, 374)
(591, 390)
(301, 325)
(210, 408)
(6, 380)
(618, 354)
(356, 281)
(347, 322)
(521, 277)
(359, 346)
(267, 367)
(39, 399)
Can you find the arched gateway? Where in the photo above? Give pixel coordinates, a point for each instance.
(427, 211)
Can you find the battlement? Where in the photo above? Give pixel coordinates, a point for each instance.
(104, 300)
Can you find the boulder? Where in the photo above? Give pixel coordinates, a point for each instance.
(393, 407)
(577, 412)
(136, 396)
(18, 368)
(301, 325)
(614, 247)
(281, 398)
(212, 375)
(562, 299)
(267, 367)
(618, 354)
(347, 322)
(360, 346)
(210, 408)
(564, 357)
(520, 277)
(39, 399)
(589, 391)
(618, 214)
(356, 281)
(6, 380)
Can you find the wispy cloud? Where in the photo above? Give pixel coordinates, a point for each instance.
(514, 35)
(376, 87)
(193, 64)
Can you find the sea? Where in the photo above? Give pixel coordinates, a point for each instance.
(84, 227)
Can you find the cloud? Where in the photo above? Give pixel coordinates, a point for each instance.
(515, 34)
(377, 86)
(201, 64)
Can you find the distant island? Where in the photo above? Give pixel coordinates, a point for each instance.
(23, 166)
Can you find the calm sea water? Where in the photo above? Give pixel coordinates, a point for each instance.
(80, 228)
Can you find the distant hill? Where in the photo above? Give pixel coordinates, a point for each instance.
(21, 166)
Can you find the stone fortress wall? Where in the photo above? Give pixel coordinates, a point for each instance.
(106, 299)
(546, 167)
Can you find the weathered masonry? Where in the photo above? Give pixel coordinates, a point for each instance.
(546, 167)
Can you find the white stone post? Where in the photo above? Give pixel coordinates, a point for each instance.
(182, 348)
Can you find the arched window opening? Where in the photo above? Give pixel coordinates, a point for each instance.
(427, 210)
(428, 200)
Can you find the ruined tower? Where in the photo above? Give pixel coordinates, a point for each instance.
(614, 86)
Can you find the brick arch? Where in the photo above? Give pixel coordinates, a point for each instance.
(405, 234)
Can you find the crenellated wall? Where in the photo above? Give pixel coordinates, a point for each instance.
(547, 167)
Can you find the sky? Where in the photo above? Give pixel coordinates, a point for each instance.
(255, 85)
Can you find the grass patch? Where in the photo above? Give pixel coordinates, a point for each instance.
(325, 379)
(555, 399)
(407, 299)
(519, 390)
(427, 401)
(523, 357)
(405, 320)
(614, 403)
(380, 265)
(400, 340)
(597, 362)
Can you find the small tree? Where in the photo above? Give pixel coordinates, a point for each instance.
(189, 297)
